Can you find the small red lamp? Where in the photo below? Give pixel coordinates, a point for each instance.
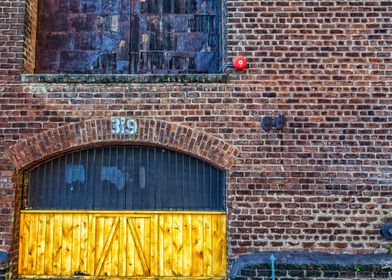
(240, 63)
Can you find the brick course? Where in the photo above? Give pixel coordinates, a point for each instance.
(323, 183)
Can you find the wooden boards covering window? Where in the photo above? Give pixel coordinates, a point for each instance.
(122, 244)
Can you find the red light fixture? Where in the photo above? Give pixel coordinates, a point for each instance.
(240, 63)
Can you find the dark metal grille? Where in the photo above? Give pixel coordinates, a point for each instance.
(126, 178)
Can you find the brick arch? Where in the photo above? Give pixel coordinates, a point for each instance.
(97, 132)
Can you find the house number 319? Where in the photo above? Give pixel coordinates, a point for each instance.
(124, 126)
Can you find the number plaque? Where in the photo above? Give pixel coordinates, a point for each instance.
(124, 126)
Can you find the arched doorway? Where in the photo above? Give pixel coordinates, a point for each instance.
(124, 211)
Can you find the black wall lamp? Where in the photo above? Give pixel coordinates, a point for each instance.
(267, 123)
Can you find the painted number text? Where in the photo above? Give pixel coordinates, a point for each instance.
(124, 126)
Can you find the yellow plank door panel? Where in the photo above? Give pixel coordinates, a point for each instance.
(122, 244)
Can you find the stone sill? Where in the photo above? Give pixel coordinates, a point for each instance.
(124, 79)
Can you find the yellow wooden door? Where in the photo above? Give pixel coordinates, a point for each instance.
(122, 244)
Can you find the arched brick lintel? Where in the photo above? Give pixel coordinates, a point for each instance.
(98, 132)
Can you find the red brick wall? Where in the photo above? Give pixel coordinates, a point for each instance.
(12, 15)
(323, 183)
(11, 55)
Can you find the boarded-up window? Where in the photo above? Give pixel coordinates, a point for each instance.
(129, 36)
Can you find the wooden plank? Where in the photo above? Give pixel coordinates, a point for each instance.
(32, 261)
(66, 254)
(114, 252)
(215, 245)
(107, 264)
(222, 246)
(131, 252)
(146, 241)
(41, 244)
(106, 247)
(177, 245)
(219, 245)
(154, 260)
(99, 241)
(207, 251)
(138, 246)
(91, 249)
(75, 250)
(49, 244)
(84, 237)
(138, 262)
(122, 243)
(24, 243)
(168, 245)
(21, 258)
(57, 243)
(161, 244)
(187, 245)
(197, 245)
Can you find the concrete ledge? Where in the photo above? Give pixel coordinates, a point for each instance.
(118, 79)
(316, 259)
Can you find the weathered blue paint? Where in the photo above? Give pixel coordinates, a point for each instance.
(142, 177)
(4, 257)
(115, 176)
(74, 173)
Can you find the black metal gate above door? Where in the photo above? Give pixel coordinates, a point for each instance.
(126, 178)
